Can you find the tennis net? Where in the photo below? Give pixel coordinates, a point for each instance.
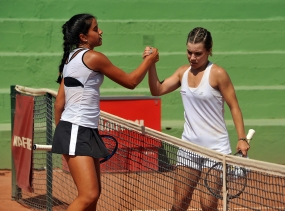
(142, 174)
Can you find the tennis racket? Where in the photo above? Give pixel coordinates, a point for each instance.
(110, 142)
(236, 177)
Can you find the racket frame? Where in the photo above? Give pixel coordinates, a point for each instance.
(113, 151)
(249, 136)
(219, 165)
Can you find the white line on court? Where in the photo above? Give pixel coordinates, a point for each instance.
(240, 88)
(142, 90)
(29, 54)
(4, 91)
(247, 122)
(245, 88)
(138, 90)
(5, 127)
(148, 20)
(44, 54)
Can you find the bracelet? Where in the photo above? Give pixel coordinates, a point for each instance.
(243, 139)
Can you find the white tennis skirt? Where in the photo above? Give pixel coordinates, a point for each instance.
(193, 160)
(75, 140)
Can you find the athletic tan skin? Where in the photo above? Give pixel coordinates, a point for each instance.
(187, 178)
(85, 170)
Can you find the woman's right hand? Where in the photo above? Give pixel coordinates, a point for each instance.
(151, 53)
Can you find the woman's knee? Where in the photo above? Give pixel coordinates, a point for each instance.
(89, 197)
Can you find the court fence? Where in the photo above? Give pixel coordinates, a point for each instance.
(143, 173)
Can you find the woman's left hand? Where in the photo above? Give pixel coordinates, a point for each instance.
(242, 146)
(147, 51)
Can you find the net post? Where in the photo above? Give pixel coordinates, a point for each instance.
(49, 167)
(225, 198)
(16, 191)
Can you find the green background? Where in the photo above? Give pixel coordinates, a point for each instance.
(249, 42)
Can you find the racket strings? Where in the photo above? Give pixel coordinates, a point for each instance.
(236, 180)
(214, 180)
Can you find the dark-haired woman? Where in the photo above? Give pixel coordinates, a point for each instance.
(204, 87)
(77, 109)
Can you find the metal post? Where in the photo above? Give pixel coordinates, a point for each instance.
(49, 167)
(16, 191)
(225, 194)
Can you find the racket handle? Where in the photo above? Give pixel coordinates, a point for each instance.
(239, 154)
(249, 136)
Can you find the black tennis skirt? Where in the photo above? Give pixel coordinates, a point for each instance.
(73, 139)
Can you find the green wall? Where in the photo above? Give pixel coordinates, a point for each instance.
(249, 42)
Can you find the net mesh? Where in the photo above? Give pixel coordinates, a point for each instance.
(143, 173)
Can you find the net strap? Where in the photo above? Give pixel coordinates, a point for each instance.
(35, 92)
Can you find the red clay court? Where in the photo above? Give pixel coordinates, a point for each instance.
(6, 204)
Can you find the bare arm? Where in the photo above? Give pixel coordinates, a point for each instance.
(99, 62)
(59, 103)
(158, 88)
(227, 90)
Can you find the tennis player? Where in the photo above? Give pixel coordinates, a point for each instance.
(204, 87)
(77, 105)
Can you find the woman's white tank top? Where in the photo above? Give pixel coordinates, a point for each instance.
(204, 114)
(82, 92)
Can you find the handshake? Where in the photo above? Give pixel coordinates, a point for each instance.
(151, 53)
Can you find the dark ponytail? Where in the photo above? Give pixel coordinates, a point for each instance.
(78, 24)
(66, 50)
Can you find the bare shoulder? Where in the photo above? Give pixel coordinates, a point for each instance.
(180, 71)
(95, 60)
(94, 55)
(218, 77)
(218, 71)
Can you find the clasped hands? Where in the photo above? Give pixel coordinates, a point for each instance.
(152, 53)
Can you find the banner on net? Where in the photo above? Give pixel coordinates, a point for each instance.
(22, 141)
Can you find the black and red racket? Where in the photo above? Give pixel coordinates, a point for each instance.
(236, 177)
(111, 144)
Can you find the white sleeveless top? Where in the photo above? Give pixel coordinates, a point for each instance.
(204, 114)
(82, 93)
